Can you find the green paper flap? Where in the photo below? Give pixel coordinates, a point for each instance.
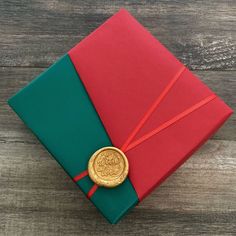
(56, 107)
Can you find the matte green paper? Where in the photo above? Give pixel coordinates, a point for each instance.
(56, 107)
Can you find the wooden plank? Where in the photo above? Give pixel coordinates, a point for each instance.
(12, 79)
(200, 33)
(37, 198)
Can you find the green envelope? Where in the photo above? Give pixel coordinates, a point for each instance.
(56, 107)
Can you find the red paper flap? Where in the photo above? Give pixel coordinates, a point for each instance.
(125, 69)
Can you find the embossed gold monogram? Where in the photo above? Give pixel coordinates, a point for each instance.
(108, 167)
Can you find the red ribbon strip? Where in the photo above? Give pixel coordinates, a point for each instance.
(170, 122)
(92, 191)
(80, 176)
(152, 108)
(128, 145)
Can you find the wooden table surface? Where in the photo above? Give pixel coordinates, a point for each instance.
(38, 198)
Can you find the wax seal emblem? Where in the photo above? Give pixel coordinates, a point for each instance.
(108, 167)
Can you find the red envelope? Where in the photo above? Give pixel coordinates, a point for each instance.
(151, 105)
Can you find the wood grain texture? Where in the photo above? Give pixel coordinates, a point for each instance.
(37, 198)
(200, 33)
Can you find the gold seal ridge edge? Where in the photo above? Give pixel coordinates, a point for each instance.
(108, 167)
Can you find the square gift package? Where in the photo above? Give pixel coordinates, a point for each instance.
(120, 87)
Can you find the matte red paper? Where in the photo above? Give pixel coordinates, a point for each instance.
(125, 71)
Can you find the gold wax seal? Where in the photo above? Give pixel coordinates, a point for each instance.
(108, 167)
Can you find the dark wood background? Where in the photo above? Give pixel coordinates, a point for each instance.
(37, 198)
